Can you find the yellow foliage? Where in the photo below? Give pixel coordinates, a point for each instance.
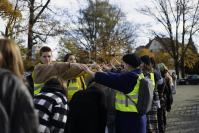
(190, 59)
(6, 9)
(164, 57)
(145, 51)
(160, 57)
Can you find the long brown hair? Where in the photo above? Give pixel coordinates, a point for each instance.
(11, 57)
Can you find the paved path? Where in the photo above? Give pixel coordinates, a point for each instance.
(184, 116)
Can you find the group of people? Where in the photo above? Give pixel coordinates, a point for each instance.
(55, 86)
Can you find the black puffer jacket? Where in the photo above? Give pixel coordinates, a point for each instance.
(17, 104)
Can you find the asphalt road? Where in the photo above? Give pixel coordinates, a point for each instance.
(184, 116)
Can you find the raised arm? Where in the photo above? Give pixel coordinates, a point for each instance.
(65, 70)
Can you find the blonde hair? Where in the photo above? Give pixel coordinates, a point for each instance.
(11, 57)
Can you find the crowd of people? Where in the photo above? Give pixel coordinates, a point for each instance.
(70, 97)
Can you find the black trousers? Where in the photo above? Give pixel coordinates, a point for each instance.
(162, 120)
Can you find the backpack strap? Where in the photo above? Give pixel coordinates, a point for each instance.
(128, 97)
(82, 82)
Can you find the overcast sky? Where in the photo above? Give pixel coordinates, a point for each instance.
(127, 6)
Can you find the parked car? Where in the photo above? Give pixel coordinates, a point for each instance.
(190, 79)
(181, 81)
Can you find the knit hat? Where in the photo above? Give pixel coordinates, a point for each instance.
(132, 59)
(146, 59)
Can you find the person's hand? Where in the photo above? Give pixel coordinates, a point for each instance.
(106, 67)
(87, 70)
(96, 67)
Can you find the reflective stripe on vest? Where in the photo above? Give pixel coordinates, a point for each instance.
(123, 104)
(37, 88)
(74, 86)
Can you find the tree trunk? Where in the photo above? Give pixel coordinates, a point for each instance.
(30, 30)
(95, 54)
(176, 63)
(182, 67)
(30, 41)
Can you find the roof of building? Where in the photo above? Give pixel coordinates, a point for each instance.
(162, 41)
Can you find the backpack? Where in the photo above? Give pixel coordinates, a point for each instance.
(145, 95)
(87, 112)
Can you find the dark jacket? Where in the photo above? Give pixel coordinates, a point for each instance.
(123, 82)
(87, 112)
(17, 104)
(126, 122)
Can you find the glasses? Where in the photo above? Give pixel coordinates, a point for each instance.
(46, 56)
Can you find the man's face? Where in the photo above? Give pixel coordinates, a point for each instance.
(46, 57)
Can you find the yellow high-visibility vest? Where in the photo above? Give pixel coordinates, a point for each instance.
(74, 85)
(124, 104)
(37, 88)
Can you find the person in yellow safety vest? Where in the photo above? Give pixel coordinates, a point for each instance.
(152, 117)
(45, 58)
(128, 119)
(75, 84)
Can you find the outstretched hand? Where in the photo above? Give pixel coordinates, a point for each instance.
(87, 70)
(95, 67)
